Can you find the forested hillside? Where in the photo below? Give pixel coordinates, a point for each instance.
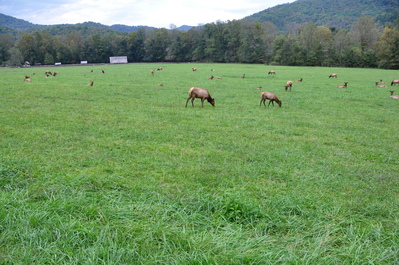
(365, 42)
(328, 13)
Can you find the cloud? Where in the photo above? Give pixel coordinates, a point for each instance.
(157, 13)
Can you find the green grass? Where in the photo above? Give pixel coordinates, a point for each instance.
(123, 173)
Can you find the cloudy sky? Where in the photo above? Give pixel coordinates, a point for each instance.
(155, 13)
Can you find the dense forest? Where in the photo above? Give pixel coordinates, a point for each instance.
(369, 41)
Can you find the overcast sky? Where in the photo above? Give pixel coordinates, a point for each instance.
(155, 13)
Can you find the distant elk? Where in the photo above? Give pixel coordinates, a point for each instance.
(243, 76)
(271, 73)
(194, 69)
(91, 83)
(395, 82)
(27, 79)
(300, 80)
(159, 69)
(333, 75)
(393, 96)
(196, 92)
(47, 72)
(102, 71)
(55, 73)
(271, 97)
(344, 85)
(378, 85)
(288, 85)
(382, 82)
(152, 72)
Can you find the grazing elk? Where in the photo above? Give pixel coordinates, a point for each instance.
(393, 96)
(271, 73)
(159, 69)
(288, 85)
(194, 69)
(196, 92)
(333, 75)
(47, 72)
(344, 85)
(55, 73)
(91, 83)
(378, 85)
(271, 97)
(395, 82)
(300, 80)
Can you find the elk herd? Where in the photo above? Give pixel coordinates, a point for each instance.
(203, 94)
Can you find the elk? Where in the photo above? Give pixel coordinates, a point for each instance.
(159, 69)
(91, 83)
(378, 85)
(213, 70)
(259, 87)
(102, 71)
(152, 72)
(288, 85)
(194, 69)
(344, 85)
(47, 72)
(271, 97)
(243, 76)
(300, 80)
(333, 75)
(393, 96)
(217, 77)
(160, 84)
(27, 79)
(55, 73)
(271, 72)
(395, 82)
(382, 82)
(196, 92)
(211, 77)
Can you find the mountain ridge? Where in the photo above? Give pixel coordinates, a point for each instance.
(284, 16)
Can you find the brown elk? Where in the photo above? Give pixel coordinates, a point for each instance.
(378, 85)
(159, 69)
(91, 83)
(288, 85)
(194, 69)
(271, 73)
(300, 80)
(344, 85)
(211, 77)
(393, 96)
(55, 73)
(27, 79)
(160, 84)
(382, 82)
(395, 82)
(196, 92)
(47, 72)
(271, 97)
(243, 76)
(152, 72)
(333, 75)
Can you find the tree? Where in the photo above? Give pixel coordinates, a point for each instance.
(16, 58)
(388, 49)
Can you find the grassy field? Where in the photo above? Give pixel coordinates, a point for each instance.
(122, 173)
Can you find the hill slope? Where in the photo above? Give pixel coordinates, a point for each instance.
(328, 13)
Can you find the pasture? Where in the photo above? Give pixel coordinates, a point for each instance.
(122, 173)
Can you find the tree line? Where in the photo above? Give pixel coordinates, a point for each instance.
(365, 44)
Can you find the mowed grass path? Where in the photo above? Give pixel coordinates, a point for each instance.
(123, 173)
